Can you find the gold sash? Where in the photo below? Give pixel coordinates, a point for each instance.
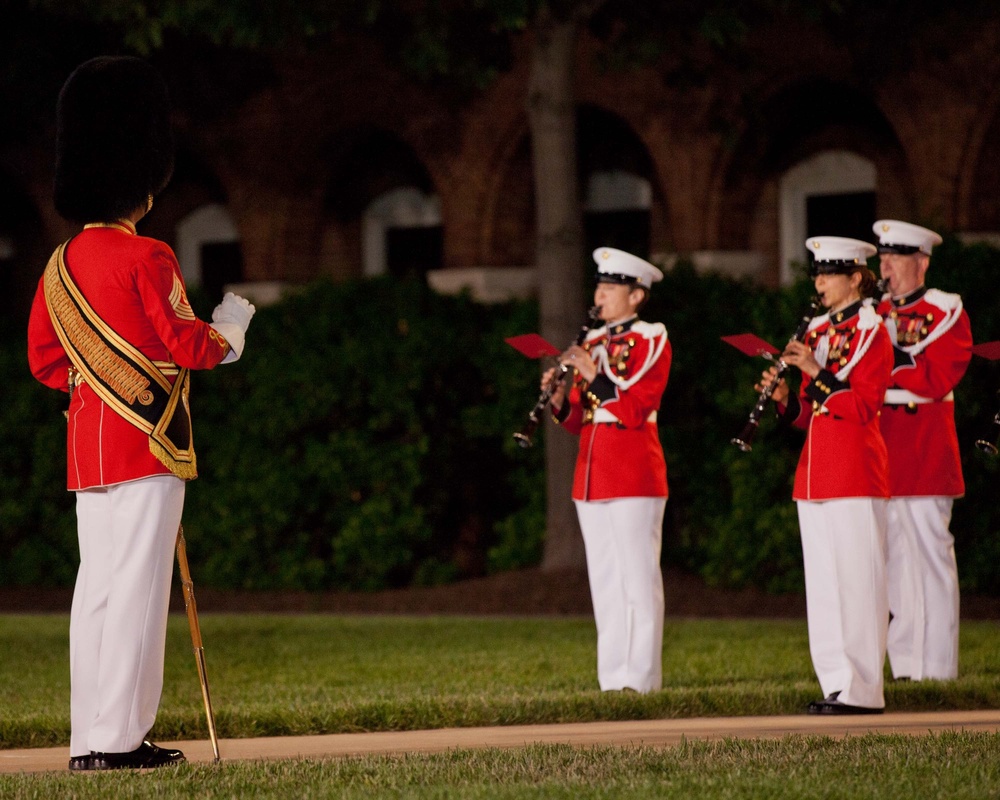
(123, 377)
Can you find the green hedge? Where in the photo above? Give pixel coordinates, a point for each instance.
(364, 441)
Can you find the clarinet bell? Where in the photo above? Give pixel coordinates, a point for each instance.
(745, 439)
(523, 436)
(746, 447)
(987, 446)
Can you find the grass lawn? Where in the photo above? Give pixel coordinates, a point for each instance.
(285, 675)
(275, 675)
(953, 766)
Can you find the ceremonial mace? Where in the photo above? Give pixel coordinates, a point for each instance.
(199, 651)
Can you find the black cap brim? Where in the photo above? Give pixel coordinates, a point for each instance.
(835, 267)
(898, 249)
(617, 277)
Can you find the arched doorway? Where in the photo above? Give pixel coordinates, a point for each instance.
(823, 158)
(831, 193)
(382, 212)
(208, 249)
(192, 216)
(616, 177)
(401, 233)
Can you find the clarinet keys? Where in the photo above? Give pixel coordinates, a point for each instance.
(745, 439)
(523, 436)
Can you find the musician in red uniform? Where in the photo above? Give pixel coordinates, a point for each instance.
(111, 325)
(841, 484)
(620, 481)
(932, 343)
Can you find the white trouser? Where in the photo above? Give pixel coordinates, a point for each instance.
(118, 623)
(923, 589)
(847, 601)
(622, 538)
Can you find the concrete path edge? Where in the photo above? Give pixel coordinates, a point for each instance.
(653, 733)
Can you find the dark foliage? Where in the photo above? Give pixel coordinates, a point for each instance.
(364, 441)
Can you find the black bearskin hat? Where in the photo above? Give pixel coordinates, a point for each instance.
(114, 146)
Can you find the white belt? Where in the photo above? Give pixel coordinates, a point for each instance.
(904, 397)
(603, 415)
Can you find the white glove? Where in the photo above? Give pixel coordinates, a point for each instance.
(231, 318)
(235, 309)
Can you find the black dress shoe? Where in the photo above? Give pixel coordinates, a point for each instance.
(77, 763)
(831, 705)
(815, 706)
(146, 756)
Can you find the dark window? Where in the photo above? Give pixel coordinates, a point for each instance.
(221, 263)
(624, 230)
(850, 215)
(413, 251)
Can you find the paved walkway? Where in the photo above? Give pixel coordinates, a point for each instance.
(656, 733)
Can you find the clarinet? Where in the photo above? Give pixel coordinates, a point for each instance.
(523, 436)
(745, 440)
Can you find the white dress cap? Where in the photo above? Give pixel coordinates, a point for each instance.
(837, 255)
(839, 248)
(904, 237)
(617, 266)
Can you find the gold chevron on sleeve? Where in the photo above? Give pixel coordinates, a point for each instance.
(179, 302)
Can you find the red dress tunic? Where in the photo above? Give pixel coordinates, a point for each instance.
(933, 349)
(844, 454)
(135, 285)
(615, 416)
